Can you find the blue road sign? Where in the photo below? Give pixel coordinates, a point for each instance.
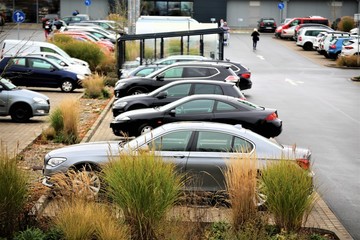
(281, 5)
(87, 2)
(19, 16)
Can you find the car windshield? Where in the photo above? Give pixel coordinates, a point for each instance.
(7, 83)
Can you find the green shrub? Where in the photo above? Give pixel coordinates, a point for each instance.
(14, 185)
(30, 234)
(64, 121)
(289, 193)
(346, 24)
(144, 187)
(86, 51)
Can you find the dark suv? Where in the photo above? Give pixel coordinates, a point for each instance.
(266, 25)
(177, 71)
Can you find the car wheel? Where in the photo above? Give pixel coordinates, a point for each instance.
(137, 90)
(86, 182)
(20, 113)
(67, 86)
(307, 46)
(144, 129)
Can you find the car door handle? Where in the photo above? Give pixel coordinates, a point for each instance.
(179, 156)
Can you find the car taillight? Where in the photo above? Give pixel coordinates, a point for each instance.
(246, 75)
(262, 24)
(300, 38)
(303, 163)
(271, 116)
(348, 47)
(232, 78)
(274, 24)
(332, 46)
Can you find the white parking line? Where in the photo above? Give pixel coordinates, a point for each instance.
(290, 81)
(261, 57)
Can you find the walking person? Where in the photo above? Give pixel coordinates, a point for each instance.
(255, 37)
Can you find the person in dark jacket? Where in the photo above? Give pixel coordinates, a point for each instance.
(255, 37)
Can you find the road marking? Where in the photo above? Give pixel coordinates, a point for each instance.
(261, 57)
(290, 81)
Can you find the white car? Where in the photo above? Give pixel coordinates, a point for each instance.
(67, 64)
(306, 37)
(288, 33)
(328, 38)
(318, 40)
(351, 47)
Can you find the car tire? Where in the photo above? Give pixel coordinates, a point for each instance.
(307, 46)
(20, 112)
(67, 86)
(137, 90)
(144, 129)
(87, 180)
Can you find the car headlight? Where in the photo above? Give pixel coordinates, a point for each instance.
(53, 162)
(80, 77)
(121, 119)
(120, 84)
(39, 100)
(120, 104)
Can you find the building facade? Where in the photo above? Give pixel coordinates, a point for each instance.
(238, 13)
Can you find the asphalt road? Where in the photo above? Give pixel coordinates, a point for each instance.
(320, 109)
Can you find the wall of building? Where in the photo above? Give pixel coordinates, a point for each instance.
(204, 10)
(98, 9)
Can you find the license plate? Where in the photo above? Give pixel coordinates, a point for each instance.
(268, 27)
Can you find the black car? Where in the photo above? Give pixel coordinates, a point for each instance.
(210, 108)
(174, 91)
(266, 25)
(243, 73)
(176, 72)
(36, 71)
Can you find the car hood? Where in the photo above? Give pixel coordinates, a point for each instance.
(97, 150)
(27, 93)
(138, 112)
(132, 98)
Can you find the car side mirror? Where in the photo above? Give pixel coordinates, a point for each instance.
(172, 112)
(160, 78)
(162, 95)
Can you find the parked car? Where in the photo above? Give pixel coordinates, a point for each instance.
(73, 19)
(174, 91)
(203, 107)
(140, 71)
(175, 72)
(21, 104)
(288, 33)
(266, 25)
(336, 47)
(315, 25)
(179, 58)
(318, 40)
(327, 38)
(307, 36)
(350, 47)
(35, 71)
(108, 25)
(67, 64)
(102, 35)
(300, 20)
(240, 70)
(198, 149)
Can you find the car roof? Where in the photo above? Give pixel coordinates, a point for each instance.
(202, 126)
(200, 63)
(198, 81)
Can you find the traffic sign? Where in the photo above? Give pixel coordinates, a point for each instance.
(19, 16)
(87, 2)
(281, 5)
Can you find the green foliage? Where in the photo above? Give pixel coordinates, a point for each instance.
(289, 194)
(13, 192)
(57, 120)
(54, 233)
(219, 231)
(144, 187)
(31, 233)
(346, 24)
(95, 87)
(86, 51)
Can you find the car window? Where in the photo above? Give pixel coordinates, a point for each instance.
(195, 107)
(201, 88)
(46, 49)
(213, 142)
(175, 72)
(222, 106)
(144, 72)
(242, 146)
(18, 62)
(40, 64)
(175, 141)
(180, 90)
